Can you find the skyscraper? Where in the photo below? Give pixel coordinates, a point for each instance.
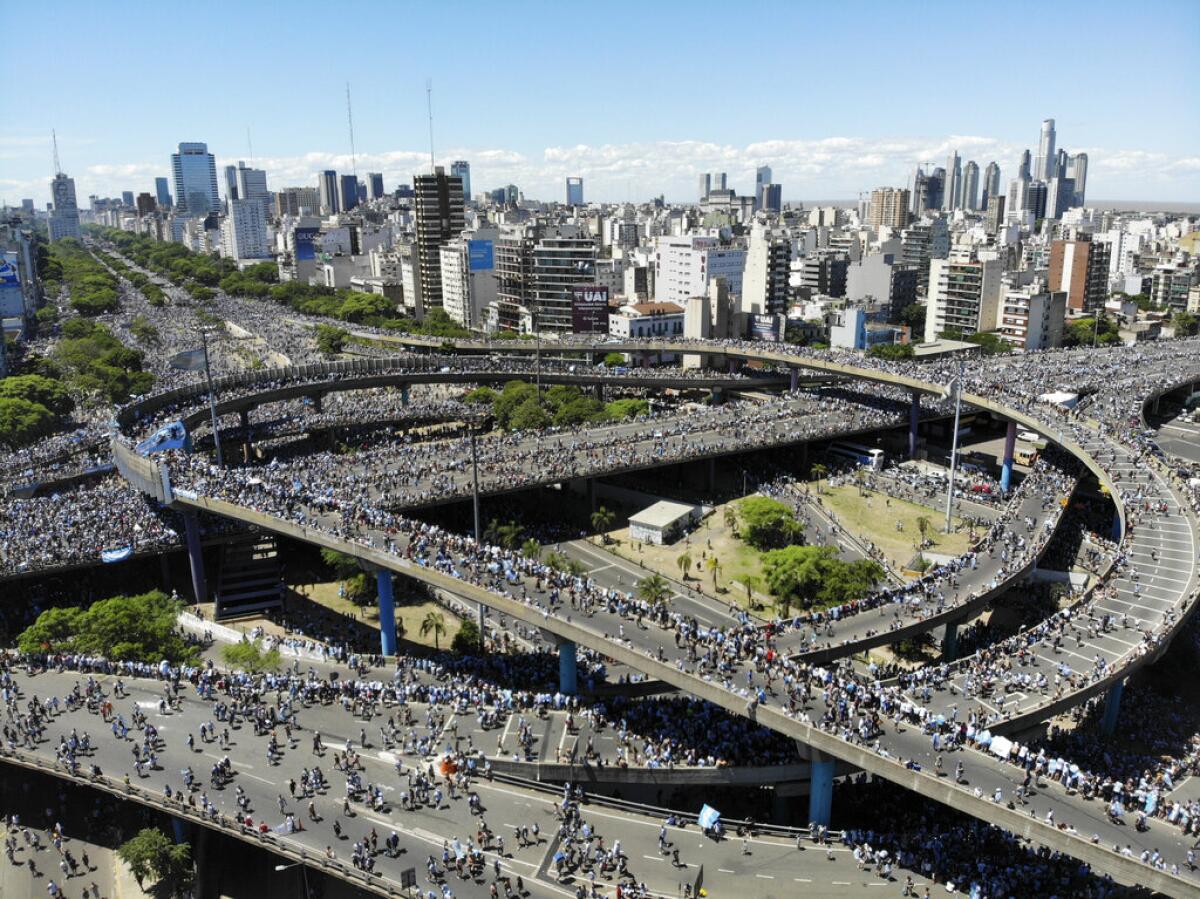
(163, 192)
(970, 189)
(705, 186)
(1043, 167)
(889, 206)
(991, 184)
(195, 171)
(1077, 169)
(252, 185)
(462, 169)
(952, 197)
(327, 183)
(231, 184)
(127, 197)
(1023, 169)
(375, 185)
(772, 197)
(349, 192)
(440, 218)
(762, 177)
(64, 218)
(574, 191)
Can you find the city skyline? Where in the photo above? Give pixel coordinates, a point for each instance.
(828, 127)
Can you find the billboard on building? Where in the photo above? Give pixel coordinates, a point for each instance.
(765, 327)
(12, 301)
(306, 241)
(480, 256)
(589, 309)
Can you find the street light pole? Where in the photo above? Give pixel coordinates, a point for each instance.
(212, 399)
(303, 873)
(475, 504)
(954, 443)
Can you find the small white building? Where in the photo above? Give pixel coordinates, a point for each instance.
(663, 522)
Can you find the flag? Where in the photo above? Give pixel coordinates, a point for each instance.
(188, 360)
(116, 555)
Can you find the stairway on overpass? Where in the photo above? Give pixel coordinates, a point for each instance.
(251, 577)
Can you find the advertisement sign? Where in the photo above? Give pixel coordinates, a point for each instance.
(306, 240)
(12, 303)
(766, 327)
(589, 309)
(479, 256)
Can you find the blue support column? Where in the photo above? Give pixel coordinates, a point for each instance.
(795, 374)
(1112, 708)
(387, 612)
(1010, 442)
(567, 672)
(914, 421)
(820, 789)
(716, 397)
(403, 394)
(180, 827)
(950, 642)
(1116, 527)
(195, 556)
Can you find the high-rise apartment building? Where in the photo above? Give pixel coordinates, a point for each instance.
(145, 204)
(440, 218)
(563, 258)
(765, 278)
(347, 192)
(251, 184)
(991, 184)
(1060, 196)
(244, 231)
(162, 191)
(1077, 171)
(127, 198)
(64, 218)
(995, 213)
(705, 186)
(469, 276)
(574, 191)
(327, 184)
(964, 296)
(771, 197)
(952, 196)
(195, 172)
(231, 188)
(1032, 316)
(375, 185)
(298, 201)
(1080, 268)
(685, 266)
(922, 242)
(460, 168)
(970, 189)
(888, 207)
(1043, 166)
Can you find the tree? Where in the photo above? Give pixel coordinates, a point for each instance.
(767, 523)
(731, 518)
(467, 640)
(819, 471)
(1186, 324)
(481, 396)
(151, 853)
(923, 526)
(143, 331)
(507, 535)
(23, 422)
(138, 628)
(331, 340)
(602, 522)
(249, 656)
(684, 561)
(813, 575)
(531, 549)
(612, 360)
(38, 389)
(891, 351)
(751, 583)
(529, 416)
(344, 566)
(513, 394)
(618, 410)
(714, 565)
(653, 589)
(913, 315)
(433, 623)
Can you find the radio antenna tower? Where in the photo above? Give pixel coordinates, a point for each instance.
(350, 121)
(54, 137)
(250, 145)
(429, 103)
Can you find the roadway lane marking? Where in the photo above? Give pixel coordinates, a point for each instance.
(726, 871)
(765, 876)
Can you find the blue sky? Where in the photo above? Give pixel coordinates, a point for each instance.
(638, 98)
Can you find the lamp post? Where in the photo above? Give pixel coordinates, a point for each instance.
(303, 872)
(954, 442)
(475, 505)
(212, 398)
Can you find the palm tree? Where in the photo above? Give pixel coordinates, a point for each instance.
(602, 521)
(509, 535)
(714, 565)
(731, 518)
(750, 582)
(433, 623)
(819, 471)
(860, 478)
(923, 526)
(653, 589)
(531, 549)
(685, 564)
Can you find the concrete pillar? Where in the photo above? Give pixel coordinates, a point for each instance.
(717, 397)
(598, 390)
(820, 788)
(914, 421)
(387, 612)
(567, 672)
(244, 421)
(795, 376)
(403, 394)
(950, 642)
(733, 366)
(1010, 442)
(195, 556)
(1116, 526)
(181, 828)
(1112, 708)
(318, 401)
